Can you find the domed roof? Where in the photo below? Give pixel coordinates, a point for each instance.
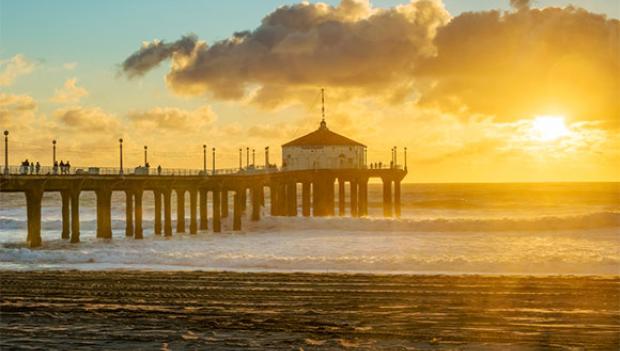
(321, 137)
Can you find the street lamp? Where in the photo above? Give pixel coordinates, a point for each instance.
(395, 156)
(253, 158)
(145, 158)
(405, 158)
(53, 152)
(120, 141)
(213, 160)
(6, 152)
(204, 158)
(267, 156)
(247, 157)
(240, 159)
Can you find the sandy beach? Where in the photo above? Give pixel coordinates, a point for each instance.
(222, 310)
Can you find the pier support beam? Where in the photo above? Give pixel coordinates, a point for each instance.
(66, 219)
(387, 197)
(180, 210)
(104, 213)
(305, 199)
(291, 199)
(237, 209)
(224, 200)
(257, 196)
(157, 219)
(217, 208)
(33, 208)
(363, 197)
(204, 221)
(244, 199)
(138, 208)
(75, 215)
(167, 212)
(354, 198)
(128, 213)
(341, 197)
(282, 199)
(397, 198)
(193, 204)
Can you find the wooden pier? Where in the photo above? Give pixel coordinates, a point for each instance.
(317, 197)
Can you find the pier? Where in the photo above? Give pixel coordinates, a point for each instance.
(317, 190)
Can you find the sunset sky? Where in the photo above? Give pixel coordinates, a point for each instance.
(477, 90)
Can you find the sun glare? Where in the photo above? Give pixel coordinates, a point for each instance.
(548, 128)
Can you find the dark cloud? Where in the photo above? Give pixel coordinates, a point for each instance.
(511, 65)
(350, 45)
(152, 54)
(520, 4)
(517, 64)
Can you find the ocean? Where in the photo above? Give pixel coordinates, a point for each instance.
(506, 229)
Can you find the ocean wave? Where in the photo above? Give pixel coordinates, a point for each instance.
(376, 224)
(541, 223)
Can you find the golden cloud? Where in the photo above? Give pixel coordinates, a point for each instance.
(86, 119)
(69, 93)
(172, 118)
(11, 68)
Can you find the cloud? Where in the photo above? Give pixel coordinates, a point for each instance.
(16, 111)
(151, 54)
(303, 46)
(86, 119)
(515, 65)
(70, 66)
(520, 4)
(172, 118)
(11, 68)
(69, 93)
(510, 65)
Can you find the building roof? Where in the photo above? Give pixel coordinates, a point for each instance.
(322, 136)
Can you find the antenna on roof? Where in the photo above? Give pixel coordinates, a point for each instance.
(323, 124)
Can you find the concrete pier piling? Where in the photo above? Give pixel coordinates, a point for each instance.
(204, 221)
(317, 197)
(180, 210)
(217, 223)
(157, 216)
(66, 208)
(138, 232)
(193, 204)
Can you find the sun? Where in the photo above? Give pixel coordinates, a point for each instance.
(548, 128)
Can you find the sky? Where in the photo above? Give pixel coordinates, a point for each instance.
(478, 91)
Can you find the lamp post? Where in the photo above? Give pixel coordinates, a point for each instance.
(247, 157)
(204, 158)
(145, 158)
(253, 158)
(405, 158)
(240, 159)
(6, 152)
(395, 156)
(120, 141)
(213, 160)
(267, 156)
(53, 152)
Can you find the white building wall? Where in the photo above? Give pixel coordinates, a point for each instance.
(322, 157)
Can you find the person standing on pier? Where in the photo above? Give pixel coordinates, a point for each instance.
(62, 167)
(68, 167)
(38, 167)
(55, 168)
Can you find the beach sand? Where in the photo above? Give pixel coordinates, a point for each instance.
(136, 310)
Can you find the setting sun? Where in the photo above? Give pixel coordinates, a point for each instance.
(548, 128)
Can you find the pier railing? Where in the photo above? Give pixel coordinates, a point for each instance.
(140, 171)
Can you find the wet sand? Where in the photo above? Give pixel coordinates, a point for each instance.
(135, 310)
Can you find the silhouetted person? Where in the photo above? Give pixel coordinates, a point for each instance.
(159, 170)
(55, 167)
(38, 167)
(68, 167)
(31, 168)
(62, 167)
